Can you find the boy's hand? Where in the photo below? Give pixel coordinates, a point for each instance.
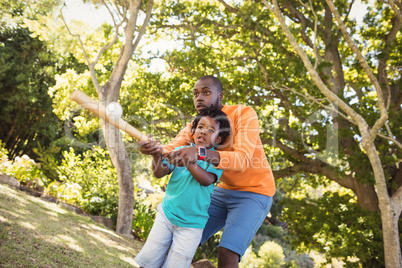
(151, 146)
(182, 157)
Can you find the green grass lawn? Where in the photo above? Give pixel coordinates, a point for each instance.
(36, 233)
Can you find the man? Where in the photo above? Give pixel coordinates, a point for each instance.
(242, 200)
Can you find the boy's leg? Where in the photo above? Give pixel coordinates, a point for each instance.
(184, 244)
(154, 251)
(246, 213)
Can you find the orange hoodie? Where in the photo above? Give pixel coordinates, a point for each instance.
(242, 157)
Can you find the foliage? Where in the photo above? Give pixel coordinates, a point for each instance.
(279, 235)
(269, 232)
(50, 156)
(358, 234)
(209, 249)
(270, 254)
(162, 113)
(90, 181)
(94, 180)
(143, 220)
(23, 168)
(82, 127)
(27, 69)
(3, 154)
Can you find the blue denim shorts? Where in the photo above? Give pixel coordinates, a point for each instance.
(182, 241)
(240, 214)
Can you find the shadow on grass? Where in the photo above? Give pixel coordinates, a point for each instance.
(35, 233)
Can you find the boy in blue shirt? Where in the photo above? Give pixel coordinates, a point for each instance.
(183, 213)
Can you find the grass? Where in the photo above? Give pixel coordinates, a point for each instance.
(36, 233)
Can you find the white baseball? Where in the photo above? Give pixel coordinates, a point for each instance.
(114, 109)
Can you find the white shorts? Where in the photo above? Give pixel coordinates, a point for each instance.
(183, 243)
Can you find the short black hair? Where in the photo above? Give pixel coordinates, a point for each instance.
(215, 80)
(220, 117)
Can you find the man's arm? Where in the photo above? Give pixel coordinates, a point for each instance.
(212, 157)
(150, 146)
(201, 175)
(243, 140)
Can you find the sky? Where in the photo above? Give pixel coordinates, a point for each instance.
(76, 9)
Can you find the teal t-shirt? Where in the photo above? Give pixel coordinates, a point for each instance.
(186, 201)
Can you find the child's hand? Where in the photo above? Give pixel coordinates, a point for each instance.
(150, 146)
(182, 157)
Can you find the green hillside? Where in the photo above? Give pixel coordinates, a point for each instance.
(36, 233)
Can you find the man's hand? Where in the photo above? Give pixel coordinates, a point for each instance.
(183, 157)
(150, 147)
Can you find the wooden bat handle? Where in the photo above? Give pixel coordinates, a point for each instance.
(99, 110)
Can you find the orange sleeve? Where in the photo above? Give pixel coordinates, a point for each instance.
(244, 136)
(182, 139)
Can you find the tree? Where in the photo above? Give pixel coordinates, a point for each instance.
(109, 92)
(390, 205)
(106, 71)
(26, 71)
(338, 118)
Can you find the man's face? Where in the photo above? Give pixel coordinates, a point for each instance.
(206, 94)
(207, 132)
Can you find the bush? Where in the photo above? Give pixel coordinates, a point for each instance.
(209, 249)
(143, 220)
(3, 154)
(23, 168)
(50, 156)
(269, 232)
(271, 254)
(90, 181)
(292, 258)
(273, 232)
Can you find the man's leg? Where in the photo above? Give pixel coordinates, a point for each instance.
(246, 212)
(217, 214)
(227, 258)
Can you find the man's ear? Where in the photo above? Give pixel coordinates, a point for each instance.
(221, 96)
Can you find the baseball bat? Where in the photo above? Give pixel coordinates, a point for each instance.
(99, 110)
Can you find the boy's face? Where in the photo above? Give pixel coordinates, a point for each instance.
(206, 133)
(206, 94)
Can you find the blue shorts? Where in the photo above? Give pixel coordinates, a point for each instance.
(240, 213)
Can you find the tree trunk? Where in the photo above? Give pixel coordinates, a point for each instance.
(366, 196)
(121, 161)
(113, 138)
(389, 213)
